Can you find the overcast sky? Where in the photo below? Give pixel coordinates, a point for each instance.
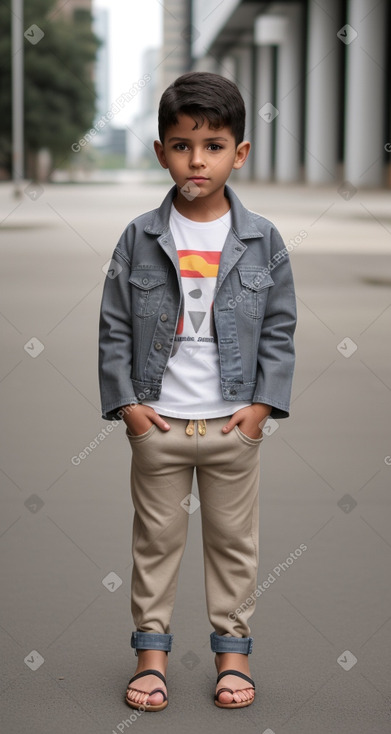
(134, 25)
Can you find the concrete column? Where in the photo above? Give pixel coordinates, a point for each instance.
(175, 49)
(289, 93)
(322, 111)
(244, 81)
(206, 63)
(228, 68)
(263, 133)
(365, 92)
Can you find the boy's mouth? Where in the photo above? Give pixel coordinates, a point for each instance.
(197, 178)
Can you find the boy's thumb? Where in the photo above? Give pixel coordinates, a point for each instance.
(229, 426)
(162, 424)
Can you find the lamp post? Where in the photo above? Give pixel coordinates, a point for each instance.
(17, 96)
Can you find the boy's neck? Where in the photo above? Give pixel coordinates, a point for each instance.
(205, 209)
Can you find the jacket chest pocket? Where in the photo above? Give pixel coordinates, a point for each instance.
(148, 286)
(255, 284)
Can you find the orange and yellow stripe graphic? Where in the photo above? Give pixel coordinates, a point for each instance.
(198, 263)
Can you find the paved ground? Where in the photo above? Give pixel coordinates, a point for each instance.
(322, 629)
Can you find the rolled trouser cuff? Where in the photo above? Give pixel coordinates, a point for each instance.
(227, 643)
(151, 641)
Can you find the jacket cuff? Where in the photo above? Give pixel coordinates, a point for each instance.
(116, 412)
(278, 410)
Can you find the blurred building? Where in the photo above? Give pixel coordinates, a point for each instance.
(143, 129)
(100, 26)
(314, 76)
(175, 52)
(72, 8)
(117, 141)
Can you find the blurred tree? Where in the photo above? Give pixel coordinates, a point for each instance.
(59, 89)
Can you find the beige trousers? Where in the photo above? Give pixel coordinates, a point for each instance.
(227, 470)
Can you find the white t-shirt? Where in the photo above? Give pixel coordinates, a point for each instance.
(191, 386)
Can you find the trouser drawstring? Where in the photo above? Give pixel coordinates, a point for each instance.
(190, 428)
(201, 425)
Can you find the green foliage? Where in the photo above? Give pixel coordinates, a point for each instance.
(58, 89)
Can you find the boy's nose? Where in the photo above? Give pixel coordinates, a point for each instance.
(196, 159)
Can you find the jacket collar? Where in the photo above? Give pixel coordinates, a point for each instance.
(245, 223)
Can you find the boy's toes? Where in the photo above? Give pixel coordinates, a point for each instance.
(244, 695)
(155, 699)
(239, 695)
(225, 697)
(144, 697)
(236, 696)
(136, 696)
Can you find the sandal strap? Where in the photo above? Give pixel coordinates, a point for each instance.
(228, 690)
(158, 690)
(235, 672)
(150, 671)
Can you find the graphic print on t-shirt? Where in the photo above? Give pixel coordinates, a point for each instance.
(191, 385)
(199, 272)
(196, 264)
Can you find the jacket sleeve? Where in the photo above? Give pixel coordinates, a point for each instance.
(276, 352)
(115, 336)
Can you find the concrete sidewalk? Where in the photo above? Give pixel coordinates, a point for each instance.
(322, 623)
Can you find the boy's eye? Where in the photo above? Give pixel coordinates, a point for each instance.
(183, 146)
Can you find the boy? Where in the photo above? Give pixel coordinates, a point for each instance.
(196, 351)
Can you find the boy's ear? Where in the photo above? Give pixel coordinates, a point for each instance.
(242, 152)
(159, 150)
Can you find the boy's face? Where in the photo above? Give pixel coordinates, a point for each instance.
(203, 158)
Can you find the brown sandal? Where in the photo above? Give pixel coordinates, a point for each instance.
(148, 706)
(234, 704)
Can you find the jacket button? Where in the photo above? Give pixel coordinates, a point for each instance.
(233, 392)
(158, 345)
(163, 317)
(145, 281)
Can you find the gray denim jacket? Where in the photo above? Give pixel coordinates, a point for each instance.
(254, 312)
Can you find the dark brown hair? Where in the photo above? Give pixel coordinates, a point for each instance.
(201, 94)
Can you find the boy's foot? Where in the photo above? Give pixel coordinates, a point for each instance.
(241, 688)
(147, 659)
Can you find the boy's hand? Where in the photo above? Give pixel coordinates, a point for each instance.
(139, 418)
(250, 420)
